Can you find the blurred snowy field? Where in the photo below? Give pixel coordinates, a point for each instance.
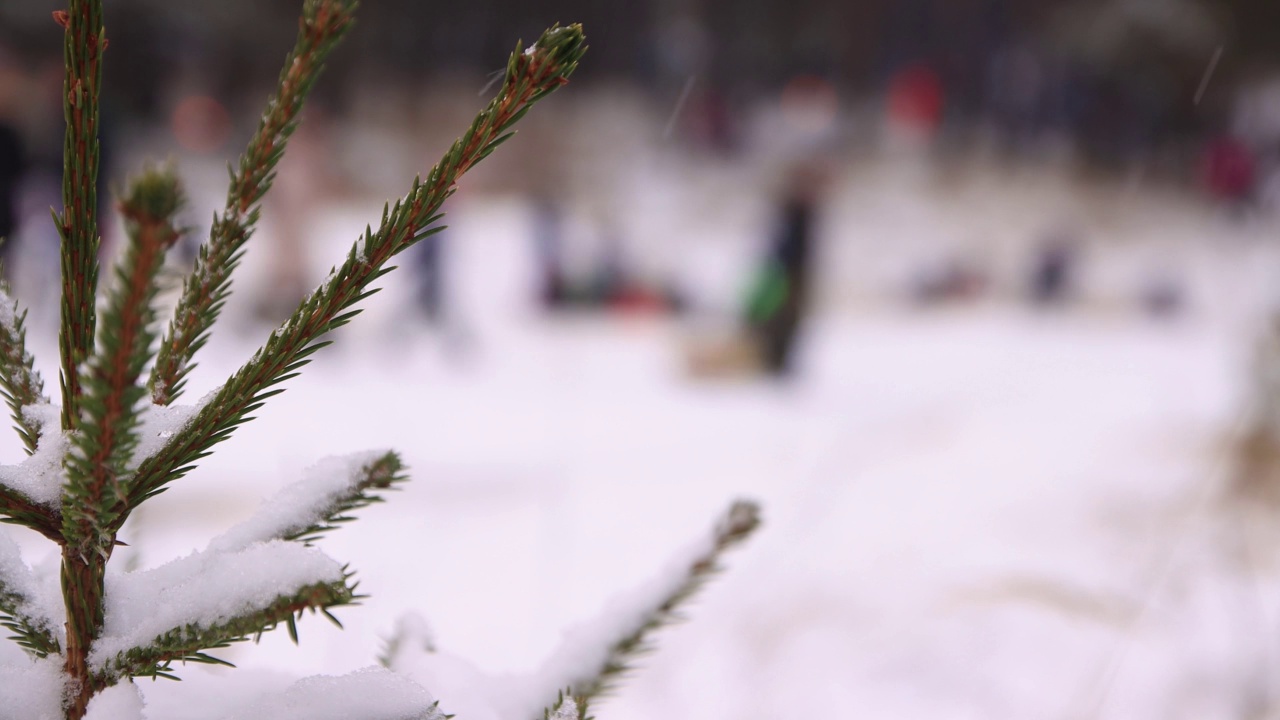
(979, 512)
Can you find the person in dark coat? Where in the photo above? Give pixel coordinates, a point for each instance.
(12, 167)
(1053, 268)
(779, 300)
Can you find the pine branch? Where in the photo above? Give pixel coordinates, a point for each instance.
(411, 633)
(322, 25)
(32, 637)
(108, 426)
(189, 643)
(105, 444)
(86, 41)
(18, 509)
(21, 386)
(372, 693)
(383, 473)
(736, 526)
(320, 502)
(531, 75)
(32, 632)
(567, 707)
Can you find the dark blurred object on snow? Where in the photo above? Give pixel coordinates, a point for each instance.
(1053, 268)
(954, 279)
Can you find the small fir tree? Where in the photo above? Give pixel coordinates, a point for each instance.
(119, 437)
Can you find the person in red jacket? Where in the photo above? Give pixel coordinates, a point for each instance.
(1229, 171)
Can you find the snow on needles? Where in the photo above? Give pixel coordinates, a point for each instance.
(159, 423)
(585, 648)
(205, 589)
(118, 702)
(301, 504)
(39, 476)
(582, 654)
(32, 690)
(8, 313)
(567, 711)
(41, 603)
(373, 693)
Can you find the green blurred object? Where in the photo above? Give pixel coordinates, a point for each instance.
(767, 294)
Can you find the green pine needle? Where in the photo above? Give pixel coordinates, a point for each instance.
(189, 643)
(323, 25)
(382, 474)
(567, 707)
(18, 509)
(32, 635)
(20, 384)
(741, 520)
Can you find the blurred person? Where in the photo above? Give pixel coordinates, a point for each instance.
(548, 240)
(1016, 88)
(713, 123)
(13, 166)
(13, 159)
(1053, 268)
(611, 285)
(620, 289)
(778, 301)
(953, 279)
(915, 103)
(428, 266)
(305, 176)
(1161, 295)
(32, 263)
(682, 47)
(1228, 172)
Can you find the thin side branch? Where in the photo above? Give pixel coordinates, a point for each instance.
(530, 76)
(86, 41)
(567, 707)
(19, 509)
(189, 643)
(32, 636)
(321, 27)
(303, 511)
(737, 525)
(382, 474)
(18, 611)
(21, 386)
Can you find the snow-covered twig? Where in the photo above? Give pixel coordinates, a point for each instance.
(373, 693)
(566, 707)
(209, 599)
(31, 491)
(306, 509)
(594, 657)
(21, 612)
(20, 384)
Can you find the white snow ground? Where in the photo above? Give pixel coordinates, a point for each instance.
(974, 513)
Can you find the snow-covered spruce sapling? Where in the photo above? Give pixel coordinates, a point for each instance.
(118, 437)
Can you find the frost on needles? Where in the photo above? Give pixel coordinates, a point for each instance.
(117, 436)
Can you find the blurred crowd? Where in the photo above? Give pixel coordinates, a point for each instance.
(1172, 91)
